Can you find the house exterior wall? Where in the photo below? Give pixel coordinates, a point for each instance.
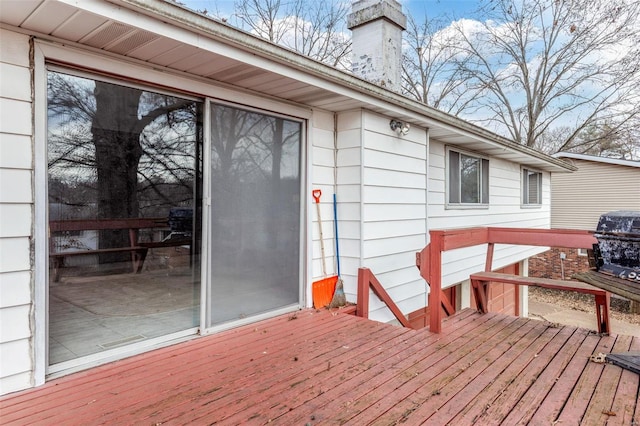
(16, 207)
(322, 157)
(580, 198)
(349, 196)
(386, 210)
(390, 192)
(394, 211)
(504, 210)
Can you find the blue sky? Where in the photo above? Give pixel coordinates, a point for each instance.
(451, 8)
(417, 8)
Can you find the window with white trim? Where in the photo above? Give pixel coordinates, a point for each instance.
(468, 179)
(531, 187)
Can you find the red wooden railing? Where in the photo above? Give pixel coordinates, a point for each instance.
(366, 281)
(429, 260)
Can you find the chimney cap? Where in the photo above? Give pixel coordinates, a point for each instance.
(364, 11)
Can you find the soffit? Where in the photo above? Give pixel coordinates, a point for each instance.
(165, 35)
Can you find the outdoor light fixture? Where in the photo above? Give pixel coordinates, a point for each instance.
(401, 128)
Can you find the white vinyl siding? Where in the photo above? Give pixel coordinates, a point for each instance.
(16, 206)
(322, 178)
(381, 207)
(504, 210)
(394, 211)
(579, 198)
(349, 196)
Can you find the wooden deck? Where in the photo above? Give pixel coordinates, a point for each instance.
(314, 368)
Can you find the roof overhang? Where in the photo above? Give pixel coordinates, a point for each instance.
(606, 160)
(171, 37)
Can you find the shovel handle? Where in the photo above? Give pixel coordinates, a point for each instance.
(316, 196)
(316, 193)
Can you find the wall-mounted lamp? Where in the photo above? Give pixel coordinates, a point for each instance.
(401, 128)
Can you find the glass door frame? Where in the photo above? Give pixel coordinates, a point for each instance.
(42, 174)
(206, 282)
(79, 59)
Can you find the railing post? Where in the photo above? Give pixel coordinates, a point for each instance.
(435, 281)
(488, 265)
(362, 298)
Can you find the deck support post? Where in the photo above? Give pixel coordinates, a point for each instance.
(602, 312)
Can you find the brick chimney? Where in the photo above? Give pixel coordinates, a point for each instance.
(377, 27)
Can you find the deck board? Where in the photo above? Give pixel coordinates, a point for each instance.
(317, 367)
(552, 405)
(583, 389)
(396, 394)
(429, 398)
(236, 379)
(600, 405)
(481, 393)
(623, 403)
(525, 390)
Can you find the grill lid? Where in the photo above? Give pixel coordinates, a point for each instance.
(618, 249)
(619, 222)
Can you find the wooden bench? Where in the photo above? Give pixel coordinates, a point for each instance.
(480, 285)
(137, 249)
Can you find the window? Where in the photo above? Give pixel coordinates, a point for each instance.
(531, 187)
(468, 179)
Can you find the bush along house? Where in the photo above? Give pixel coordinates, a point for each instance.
(157, 169)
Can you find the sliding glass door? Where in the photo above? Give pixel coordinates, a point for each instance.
(255, 213)
(125, 191)
(124, 188)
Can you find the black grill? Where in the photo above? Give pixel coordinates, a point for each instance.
(618, 249)
(181, 219)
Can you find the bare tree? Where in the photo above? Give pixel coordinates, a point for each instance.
(122, 145)
(550, 74)
(600, 140)
(539, 64)
(316, 29)
(432, 66)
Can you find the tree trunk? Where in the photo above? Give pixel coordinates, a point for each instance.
(116, 137)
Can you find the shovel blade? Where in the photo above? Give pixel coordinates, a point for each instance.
(323, 291)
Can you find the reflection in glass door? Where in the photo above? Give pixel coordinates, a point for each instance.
(255, 213)
(124, 188)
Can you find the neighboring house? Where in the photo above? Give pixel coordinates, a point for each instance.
(600, 185)
(242, 131)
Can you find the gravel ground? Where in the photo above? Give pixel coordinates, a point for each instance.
(582, 302)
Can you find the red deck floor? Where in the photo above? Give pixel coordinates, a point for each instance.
(321, 368)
